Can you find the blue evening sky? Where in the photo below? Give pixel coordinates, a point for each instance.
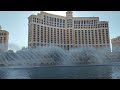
(16, 23)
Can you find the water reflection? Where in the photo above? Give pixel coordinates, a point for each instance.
(69, 72)
(116, 72)
(13, 73)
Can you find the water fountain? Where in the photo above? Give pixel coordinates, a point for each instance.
(54, 56)
(51, 56)
(59, 61)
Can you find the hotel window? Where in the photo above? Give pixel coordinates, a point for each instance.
(44, 17)
(103, 36)
(74, 22)
(42, 21)
(106, 30)
(84, 21)
(51, 36)
(41, 27)
(106, 25)
(45, 35)
(57, 19)
(48, 34)
(60, 21)
(47, 18)
(5, 34)
(86, 36)
(37, 27)
(107, 40)
(64, 36)
(35, 19)
(38, 40)
(103, 25)
(63, 25)
(99, 36)
(76, 36)
(57, 24)
(81, 22)
(98, 26)
(92, 22)
(89, 36)
(63, 21)
(54, 35)
(34, 26)
(58, 35)
(50, 19)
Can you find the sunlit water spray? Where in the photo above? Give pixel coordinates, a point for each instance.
(55, 56)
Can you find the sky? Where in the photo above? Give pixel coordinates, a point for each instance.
(16, 23)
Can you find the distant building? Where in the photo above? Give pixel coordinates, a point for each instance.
(4, 36)
(67, 32)
(115, 43)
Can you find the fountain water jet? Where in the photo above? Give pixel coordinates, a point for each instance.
(52, 55)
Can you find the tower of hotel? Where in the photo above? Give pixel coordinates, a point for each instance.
(45, 29)
(4, 36)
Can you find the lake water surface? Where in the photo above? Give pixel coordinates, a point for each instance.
(62, 72)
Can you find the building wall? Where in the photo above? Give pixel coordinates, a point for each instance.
(116, 41)
(67, 32)
(4, 36)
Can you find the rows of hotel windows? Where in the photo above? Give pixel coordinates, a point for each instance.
(66, 46)
(69, 23)
(1, 34)
(2, 39)
(88, 24)
(48, 34)
(50, 21)
(36, 20)
(91, 26)
(56, 22)
(85, 22)
(54, 35)
(78, 24)
(91, 36)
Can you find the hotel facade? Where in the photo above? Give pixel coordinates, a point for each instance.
(115, 41)
(4, 36)
(67, 32)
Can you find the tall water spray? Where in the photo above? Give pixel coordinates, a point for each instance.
(56, 56)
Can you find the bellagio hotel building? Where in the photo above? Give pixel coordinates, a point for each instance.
(67, 32)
